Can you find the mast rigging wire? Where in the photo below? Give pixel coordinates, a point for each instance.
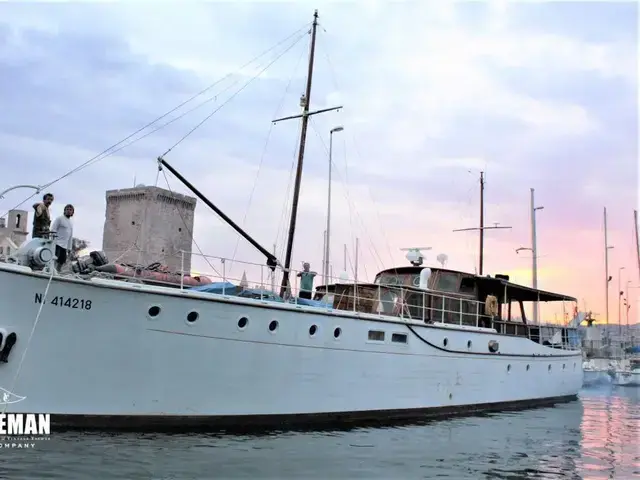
(107, 152)
(263, 154)
(237, 92)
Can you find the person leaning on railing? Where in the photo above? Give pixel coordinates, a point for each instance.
(306, 281)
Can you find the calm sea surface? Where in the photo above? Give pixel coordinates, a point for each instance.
(597, 437)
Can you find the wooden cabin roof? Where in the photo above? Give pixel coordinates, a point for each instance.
(492, 285)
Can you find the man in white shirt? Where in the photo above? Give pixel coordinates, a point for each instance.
(63, 229)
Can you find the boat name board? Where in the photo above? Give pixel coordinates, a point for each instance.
(68, 302)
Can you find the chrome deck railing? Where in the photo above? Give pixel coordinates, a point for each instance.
(260, 282)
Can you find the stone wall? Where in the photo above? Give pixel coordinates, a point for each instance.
(149, 224)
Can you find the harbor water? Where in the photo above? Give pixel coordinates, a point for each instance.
(595, 437)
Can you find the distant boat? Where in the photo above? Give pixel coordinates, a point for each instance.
(629, 376)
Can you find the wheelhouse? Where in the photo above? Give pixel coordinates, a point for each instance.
(443, 296)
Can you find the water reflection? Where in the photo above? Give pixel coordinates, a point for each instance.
(593, 438)
(610, 434)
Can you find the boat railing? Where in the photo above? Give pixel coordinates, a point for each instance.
(257, 281)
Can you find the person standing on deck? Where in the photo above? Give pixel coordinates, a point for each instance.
(306, 281)
(63, 229)
(42, 217)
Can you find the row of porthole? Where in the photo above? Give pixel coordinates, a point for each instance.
(155, 310)
(193, 316)
(273, 325)
(564, 366)
(445, 342)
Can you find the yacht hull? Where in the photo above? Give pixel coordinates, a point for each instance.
(108, 354)
(595, 377)
(626, 379)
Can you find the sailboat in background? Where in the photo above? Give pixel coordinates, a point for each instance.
(629, 373)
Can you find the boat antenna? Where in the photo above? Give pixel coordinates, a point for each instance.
(414, 255)
(481, 228)
(304, 103)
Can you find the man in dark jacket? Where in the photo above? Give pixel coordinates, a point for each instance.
(42, 217)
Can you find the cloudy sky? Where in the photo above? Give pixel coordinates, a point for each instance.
(539, 95)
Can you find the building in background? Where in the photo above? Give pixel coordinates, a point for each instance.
(144, 225)
(14, 230)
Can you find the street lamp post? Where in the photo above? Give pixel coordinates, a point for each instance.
(607, 277)
(620, 293)
(328, 234)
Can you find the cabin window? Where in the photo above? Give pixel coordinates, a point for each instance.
(18, 217)
(399, 338)
(376, 335)
(414, 303)
(403, 279)
(447, 282)
(1, 250)
(327, 298)
(388, 302)
(389, 279)
(468, 286)
(469, 313)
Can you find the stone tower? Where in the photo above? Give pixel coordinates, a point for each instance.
(149, 224)
(14, 228)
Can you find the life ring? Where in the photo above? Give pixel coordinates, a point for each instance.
(491, 306)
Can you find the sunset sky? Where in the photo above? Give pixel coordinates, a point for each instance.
(540, 95)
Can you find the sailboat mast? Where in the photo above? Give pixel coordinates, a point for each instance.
(481, 255)
(606, 267)
(635, 226)
(303, 139)
(481, 228)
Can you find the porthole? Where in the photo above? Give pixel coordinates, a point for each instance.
(509, 368)
(549, 368)
(312, 330)
(493, 346)
(564, 366)
(154, 311)
(445, 342)
(528, 368)
(574, 366)
(273, 325)
(337, 332)
(450, 396)
(469, 343)
(192, 316)
(242, 323)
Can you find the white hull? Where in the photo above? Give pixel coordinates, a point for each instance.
(115, 360)
(595, 377)
(626, 378)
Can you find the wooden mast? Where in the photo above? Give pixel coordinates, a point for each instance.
(481, 228)
(481, 254)
(305, 101)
